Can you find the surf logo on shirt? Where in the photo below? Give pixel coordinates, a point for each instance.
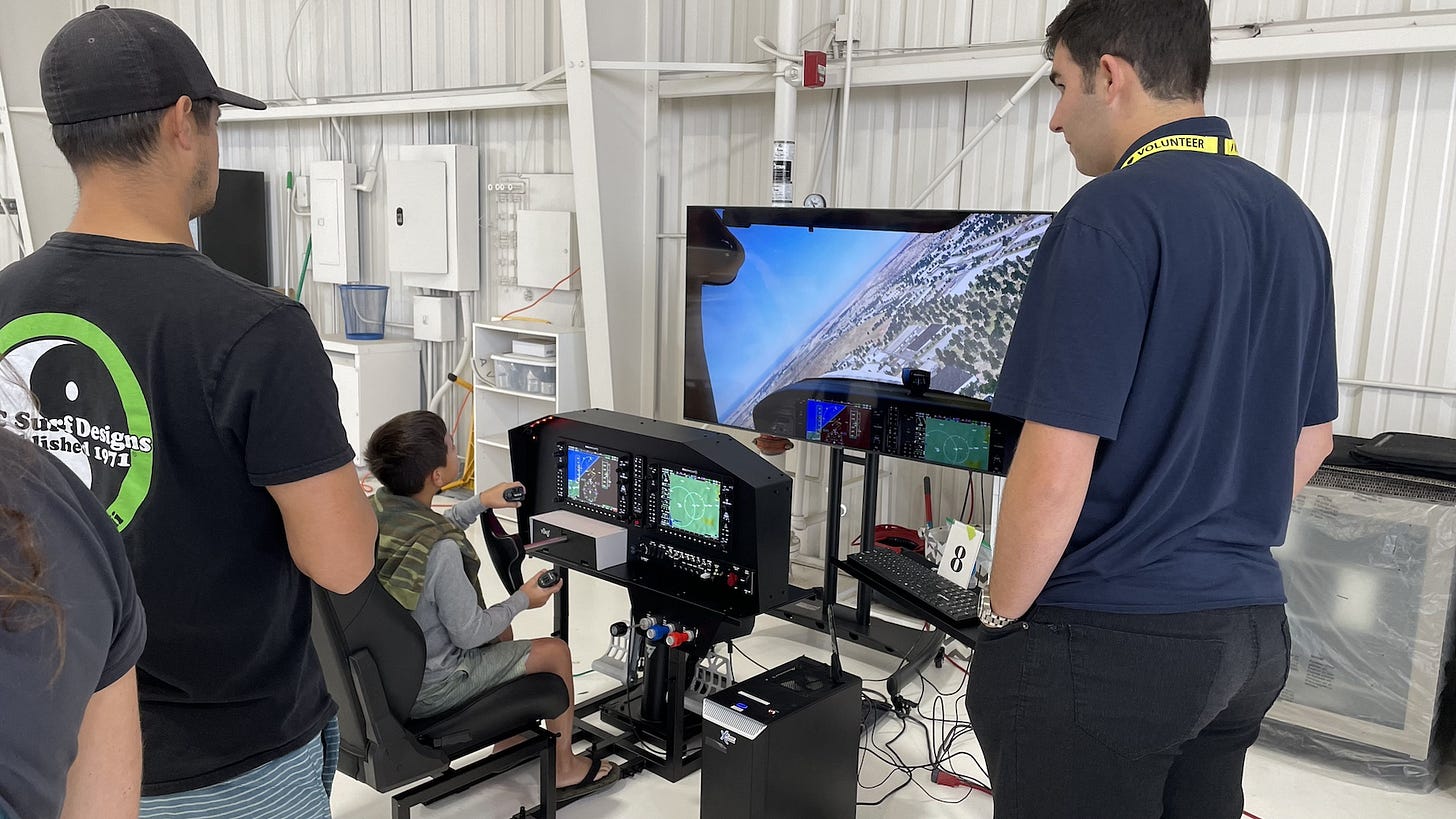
(66, 387)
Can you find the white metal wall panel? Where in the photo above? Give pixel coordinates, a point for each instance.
(882, 25)
(1007, 21)
(367, 46)
(1411, 305)
(9, 243)
(1001, 21)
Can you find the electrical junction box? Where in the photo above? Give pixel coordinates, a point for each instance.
(550, 191)
(435, 318)
(815, 69)
(432, 216)
(546, 249)
(334, 221)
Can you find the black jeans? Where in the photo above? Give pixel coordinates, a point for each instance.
(1128, 716)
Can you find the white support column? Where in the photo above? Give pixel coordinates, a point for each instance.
(786, 107)
(613, 116)
(47, 189)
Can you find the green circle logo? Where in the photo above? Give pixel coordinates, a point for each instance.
(66, 386)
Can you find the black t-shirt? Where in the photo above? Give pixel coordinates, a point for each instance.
(83, 569)
(1182, 309)
(177, 392)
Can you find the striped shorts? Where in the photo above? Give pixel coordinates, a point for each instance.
(296, 786)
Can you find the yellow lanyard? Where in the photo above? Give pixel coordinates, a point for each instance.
(1196, 144)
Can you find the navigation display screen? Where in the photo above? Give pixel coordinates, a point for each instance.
(690, 504)
(591, 478)
(957, 443)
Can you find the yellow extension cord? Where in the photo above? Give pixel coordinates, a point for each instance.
(467, 475)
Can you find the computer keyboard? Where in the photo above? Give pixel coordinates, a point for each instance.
(950, 601)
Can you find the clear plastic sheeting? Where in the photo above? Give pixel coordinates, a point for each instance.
(1368, 569)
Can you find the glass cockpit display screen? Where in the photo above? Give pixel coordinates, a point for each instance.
(837, 424)
(591, 478)
(965, 444)
(690, 504)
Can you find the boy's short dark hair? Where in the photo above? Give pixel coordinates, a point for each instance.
(1168, 42)
(127, 139)
(406, 449)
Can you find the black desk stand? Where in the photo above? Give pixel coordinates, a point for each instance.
(914, 647)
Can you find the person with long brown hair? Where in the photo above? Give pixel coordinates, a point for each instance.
(71, 630)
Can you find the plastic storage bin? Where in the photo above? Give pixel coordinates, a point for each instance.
(363, 306)
(512, 373)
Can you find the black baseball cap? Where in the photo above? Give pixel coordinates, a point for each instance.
(110, 62)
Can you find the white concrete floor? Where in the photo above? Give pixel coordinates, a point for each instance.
(1277, 786)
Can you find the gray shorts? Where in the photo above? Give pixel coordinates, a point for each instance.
(480, 669)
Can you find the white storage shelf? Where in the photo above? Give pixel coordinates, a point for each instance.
(500, 408)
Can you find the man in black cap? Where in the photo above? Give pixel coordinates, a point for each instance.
(200, 409)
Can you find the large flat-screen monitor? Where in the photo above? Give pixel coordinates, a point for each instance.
(234, 234)
(779, 296)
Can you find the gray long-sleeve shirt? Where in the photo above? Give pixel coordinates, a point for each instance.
(448, 612)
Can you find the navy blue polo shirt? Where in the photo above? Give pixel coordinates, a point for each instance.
(1181, 309)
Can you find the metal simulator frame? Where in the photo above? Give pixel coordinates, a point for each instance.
(691, 522)
(799, 321)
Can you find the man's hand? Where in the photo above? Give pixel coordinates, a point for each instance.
(537, 595)
(493, 498)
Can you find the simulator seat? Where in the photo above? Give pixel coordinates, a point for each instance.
(373, 658)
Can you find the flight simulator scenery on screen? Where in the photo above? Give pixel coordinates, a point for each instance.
(863, 304)
(591, 478)
(691, 504)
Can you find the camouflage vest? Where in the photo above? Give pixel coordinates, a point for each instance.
(407, 531)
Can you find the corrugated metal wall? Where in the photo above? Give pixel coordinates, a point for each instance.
(9, 243)
(1368, 142)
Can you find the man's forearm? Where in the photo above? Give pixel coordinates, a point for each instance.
(1039, 509)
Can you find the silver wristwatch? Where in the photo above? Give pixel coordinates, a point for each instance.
(991, 619)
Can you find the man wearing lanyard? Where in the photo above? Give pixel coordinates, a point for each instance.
(1174, 362)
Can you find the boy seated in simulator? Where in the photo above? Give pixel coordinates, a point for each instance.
(426, 563)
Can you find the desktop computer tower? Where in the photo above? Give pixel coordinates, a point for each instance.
(782, 745)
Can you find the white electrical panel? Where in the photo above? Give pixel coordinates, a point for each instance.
(550, 191)
(545, 248)
(415, 218)
(433, 213)
(435, 318)
(334, 217)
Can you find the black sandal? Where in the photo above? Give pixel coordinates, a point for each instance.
(590, 783)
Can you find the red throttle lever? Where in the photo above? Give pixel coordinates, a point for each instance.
(678, 638)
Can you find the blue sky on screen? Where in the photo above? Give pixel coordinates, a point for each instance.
(791, 278)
